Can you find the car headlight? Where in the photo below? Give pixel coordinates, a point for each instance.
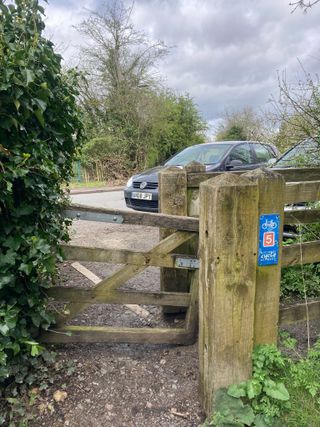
(130, 181)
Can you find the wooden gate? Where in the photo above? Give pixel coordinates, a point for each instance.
(107, 291)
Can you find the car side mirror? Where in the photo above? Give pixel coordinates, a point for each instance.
(234, 164)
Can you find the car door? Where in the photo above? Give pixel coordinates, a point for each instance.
(240, 158)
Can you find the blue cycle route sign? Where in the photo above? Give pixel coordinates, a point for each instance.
(268, 253)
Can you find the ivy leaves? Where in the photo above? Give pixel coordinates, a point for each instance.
(39, 133)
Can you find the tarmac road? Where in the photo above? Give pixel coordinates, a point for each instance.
(108, 199)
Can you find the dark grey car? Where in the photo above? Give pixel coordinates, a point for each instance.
(141, 192)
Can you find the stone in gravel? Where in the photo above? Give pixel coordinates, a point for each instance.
(149, 405)
(59, 396)
(109, 407)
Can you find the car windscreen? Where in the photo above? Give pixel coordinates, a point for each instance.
(206, 154)
(306, 153)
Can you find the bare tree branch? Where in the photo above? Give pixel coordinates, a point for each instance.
(303, 4)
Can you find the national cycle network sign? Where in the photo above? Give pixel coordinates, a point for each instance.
(269, 226)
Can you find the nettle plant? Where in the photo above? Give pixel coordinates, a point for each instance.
(39, 133)
(259, 401)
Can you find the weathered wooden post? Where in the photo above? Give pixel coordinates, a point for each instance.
(271, 210)
(173, 200)
(228, 256)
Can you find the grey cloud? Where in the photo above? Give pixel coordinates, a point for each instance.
(225, 54)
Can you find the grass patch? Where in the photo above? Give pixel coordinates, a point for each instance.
(89, 184)
(305, 410)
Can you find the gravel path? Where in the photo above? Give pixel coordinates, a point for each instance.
(123, 385)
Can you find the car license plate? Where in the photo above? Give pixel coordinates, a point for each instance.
(142, 196)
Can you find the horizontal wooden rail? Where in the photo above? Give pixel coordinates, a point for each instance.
(297, 192)
(124, 256)
(290, 175)
(299, 174)
(116, 216)
(92, 296)
(299, 313)
(306, 253)
(301, 216)
(89, 334)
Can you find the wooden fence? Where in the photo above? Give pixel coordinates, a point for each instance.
(107, 291)
(238, 300)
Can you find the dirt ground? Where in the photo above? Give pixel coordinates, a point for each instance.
(125, 385)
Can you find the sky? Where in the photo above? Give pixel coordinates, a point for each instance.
(226, 54)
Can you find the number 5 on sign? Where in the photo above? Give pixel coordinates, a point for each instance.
(268, 253)
(268, 239)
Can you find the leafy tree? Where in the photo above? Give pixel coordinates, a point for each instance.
(177, 124)
(119, 81)
(234, 133)
(127, 113)
(39, 132)
(297, 110)
(291, 130)
(118, 56)
(170, 123)
(241, 125)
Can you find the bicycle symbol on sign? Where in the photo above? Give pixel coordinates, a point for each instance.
(271, 224)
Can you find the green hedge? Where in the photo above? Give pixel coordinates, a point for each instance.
(39, 133)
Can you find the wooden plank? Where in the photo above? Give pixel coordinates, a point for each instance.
(300, 313)
(89, 296)
(290, 175)
(228, 247)
(120, 256)
(91, 334)
(124, 274)
(191, 322)
(302, 216)
(294, 216)
(193, 202)
(136, 309)
(299, 174)
(306, 253)
(142, 218)
(308, 191)
(193, 195)
(267, 298)
(86, 272)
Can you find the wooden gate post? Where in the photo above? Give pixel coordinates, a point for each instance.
(271, 201)
(228, 249)
(173, 201)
